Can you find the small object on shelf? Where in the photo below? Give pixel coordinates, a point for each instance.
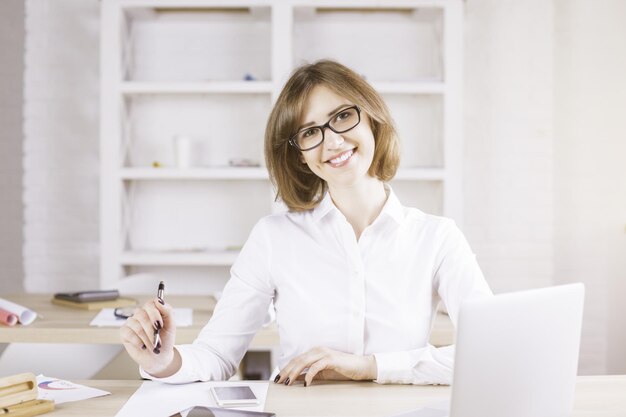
(156, 164)
(249, 77)
(243, 162)
(182, 151)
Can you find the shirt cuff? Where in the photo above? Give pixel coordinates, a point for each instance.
(423, 366)
(394, 367)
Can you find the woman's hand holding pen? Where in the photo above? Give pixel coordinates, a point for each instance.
(327, 364)
(138, 336)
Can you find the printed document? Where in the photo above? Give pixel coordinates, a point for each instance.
(106, 318)
(157, 399)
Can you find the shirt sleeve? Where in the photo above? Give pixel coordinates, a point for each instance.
(238, 315)
(456, 278)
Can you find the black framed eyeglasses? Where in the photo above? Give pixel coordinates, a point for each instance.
(312, 137)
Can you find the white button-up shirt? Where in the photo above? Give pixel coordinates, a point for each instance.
(377, 295)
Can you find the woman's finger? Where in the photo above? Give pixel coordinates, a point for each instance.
(130, 338)
(133, 324)
(314, 369)
(154, 315)
(148, 325)
(302, 362)
(166, 311)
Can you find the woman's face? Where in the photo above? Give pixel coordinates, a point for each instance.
(343, 159)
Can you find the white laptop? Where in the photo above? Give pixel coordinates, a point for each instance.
(516, 355)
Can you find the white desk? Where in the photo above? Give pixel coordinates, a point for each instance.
(596, 396)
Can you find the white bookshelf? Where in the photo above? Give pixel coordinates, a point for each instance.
(211, 70)
(207, 174)
(410, 88)
(241, 87)
(157, 258)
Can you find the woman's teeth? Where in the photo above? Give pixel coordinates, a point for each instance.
(341, 158)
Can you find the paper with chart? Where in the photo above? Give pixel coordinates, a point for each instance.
(105, 318)
(61, 391)
(157, 399)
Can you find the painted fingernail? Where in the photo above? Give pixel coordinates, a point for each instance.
(156, 350)
(158, 346)
(287, 381)
(305, 383)
(143, 347)
(161, 301)
(157, 324)
(277, 378)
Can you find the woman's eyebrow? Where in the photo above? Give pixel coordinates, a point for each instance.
(329, 114)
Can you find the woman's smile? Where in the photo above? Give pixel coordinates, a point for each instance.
(341, 159)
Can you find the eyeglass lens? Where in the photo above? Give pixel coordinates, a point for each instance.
(341, 122)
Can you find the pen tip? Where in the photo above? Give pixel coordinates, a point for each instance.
(161, 285)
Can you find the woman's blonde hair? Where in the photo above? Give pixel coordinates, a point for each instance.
(296, 184)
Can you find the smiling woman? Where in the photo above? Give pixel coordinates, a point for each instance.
(355, 276)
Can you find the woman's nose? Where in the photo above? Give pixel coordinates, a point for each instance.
(332, 140)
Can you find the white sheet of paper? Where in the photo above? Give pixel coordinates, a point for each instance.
(61, 391)
(157, 399)
(106, 318)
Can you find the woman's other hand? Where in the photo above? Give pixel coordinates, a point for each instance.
(327, 364)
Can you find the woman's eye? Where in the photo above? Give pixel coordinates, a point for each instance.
(308, 133)
(342, 115)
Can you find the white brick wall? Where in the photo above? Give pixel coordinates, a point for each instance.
(545, 186)
(11, 75)
(508, 140)
(61, 145)
(590, 173)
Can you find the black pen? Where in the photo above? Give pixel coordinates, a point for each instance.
(157, 336)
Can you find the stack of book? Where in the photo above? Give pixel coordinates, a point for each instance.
(93, 300)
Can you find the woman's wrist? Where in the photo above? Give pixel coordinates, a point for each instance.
(173, 365)
(371, 367)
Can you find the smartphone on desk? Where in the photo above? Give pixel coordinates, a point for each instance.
(88, 296)
(233, 396)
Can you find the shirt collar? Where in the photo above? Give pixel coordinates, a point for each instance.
(324, 207)
(392, 208)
